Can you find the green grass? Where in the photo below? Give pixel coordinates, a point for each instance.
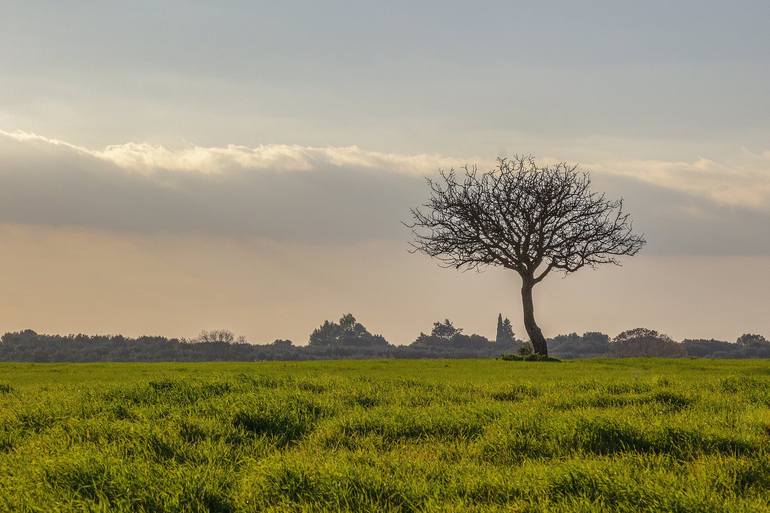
(462, 435)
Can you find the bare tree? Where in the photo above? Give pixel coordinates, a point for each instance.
(527, 217)
(217, 336)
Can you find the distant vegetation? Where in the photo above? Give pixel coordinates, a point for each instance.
(426, 436)
(348, 338)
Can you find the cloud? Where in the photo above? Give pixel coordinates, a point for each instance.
(341, 194)
(277, 192)
(148, 158)
(745, 182)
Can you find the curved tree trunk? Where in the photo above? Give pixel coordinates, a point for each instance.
(533, 330)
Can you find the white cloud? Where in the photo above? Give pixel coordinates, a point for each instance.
(146, 158)
(744, 182)
(343, 194)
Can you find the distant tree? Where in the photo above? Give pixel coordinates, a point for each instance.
(561, 344)
(752, 340)
(590, 344)
(449, 341)
(711, 348)
(348, 323)
(347, 333)
(282, 344)
(594, 343)
(469, 342)
(526, 217)
(444, 330)
(504, 331)
(216, 336)
(327, 334)
(645, 342)
(508, 329)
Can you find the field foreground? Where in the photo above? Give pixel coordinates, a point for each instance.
(462, 435)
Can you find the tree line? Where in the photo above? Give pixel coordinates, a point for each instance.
(348, 338)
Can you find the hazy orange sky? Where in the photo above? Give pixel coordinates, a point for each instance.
(167, 169)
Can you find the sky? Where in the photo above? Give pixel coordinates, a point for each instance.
(178, 166)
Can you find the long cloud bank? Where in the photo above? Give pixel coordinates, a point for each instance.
(334, 195)
(148, 158)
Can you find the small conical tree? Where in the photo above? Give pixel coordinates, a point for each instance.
(508, 331)
(500, 333)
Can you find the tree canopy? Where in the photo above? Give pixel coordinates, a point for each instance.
(530, 218)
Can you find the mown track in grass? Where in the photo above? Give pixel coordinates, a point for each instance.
(469, 435)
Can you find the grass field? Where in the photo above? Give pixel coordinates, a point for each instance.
(463, 435)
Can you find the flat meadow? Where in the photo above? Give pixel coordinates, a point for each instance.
(678, 435)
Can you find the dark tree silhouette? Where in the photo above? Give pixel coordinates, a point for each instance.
(214, 336)
(504, 331)
(348, 333)
(499, 335)
(645, 342)
(526, 217)
(752, 340)
(445, 329)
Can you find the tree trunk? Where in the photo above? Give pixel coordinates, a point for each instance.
(533, 330)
